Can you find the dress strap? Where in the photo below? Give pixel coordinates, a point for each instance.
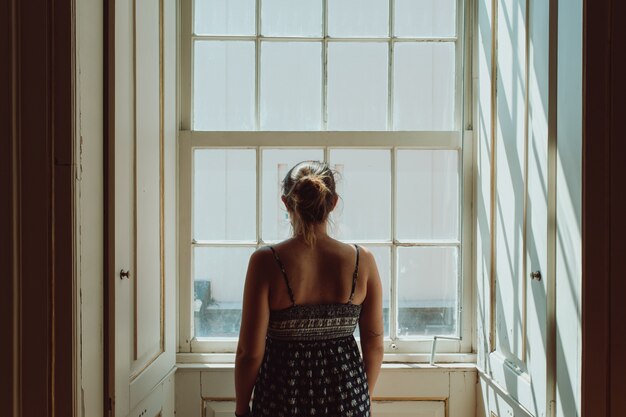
(355, 274)
(282, 269)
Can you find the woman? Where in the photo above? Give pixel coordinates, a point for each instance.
(302, 301)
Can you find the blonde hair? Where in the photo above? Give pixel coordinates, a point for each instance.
(310, 196)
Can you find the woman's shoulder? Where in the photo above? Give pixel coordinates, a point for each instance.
(261, 257)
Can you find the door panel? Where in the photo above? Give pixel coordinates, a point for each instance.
(124, 222)
(145, 161)
(513, 154)
(539, 233)
(149, 274)
(509, 215)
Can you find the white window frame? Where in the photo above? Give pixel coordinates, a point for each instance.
(404, 350)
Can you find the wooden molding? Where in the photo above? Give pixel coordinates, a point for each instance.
(109, 208)
(37, 116)
(603, 205)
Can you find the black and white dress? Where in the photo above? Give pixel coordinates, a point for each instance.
(312, 365)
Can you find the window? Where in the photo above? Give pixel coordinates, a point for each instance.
(375, 88)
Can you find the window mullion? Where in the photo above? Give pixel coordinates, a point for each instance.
(186, 65)
(325, 66)
(393, 285)
(257, 69)
(393, 297)
(459, 99)
(259, 206)
(390, 59)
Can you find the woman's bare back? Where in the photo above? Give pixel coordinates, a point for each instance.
(319, 274)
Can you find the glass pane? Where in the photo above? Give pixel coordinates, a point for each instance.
(224, 17)
(428, 194)
(291, 86)
(223, 85)
(424, 86)
(358, 18)
(364, 188)
(427, 291)
(357, 86)
(224, 194)
(219, 274)
(425, 18)
(291, 18)
(275, 164)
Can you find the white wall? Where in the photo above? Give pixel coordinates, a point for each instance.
(568, 211)
(89, 210)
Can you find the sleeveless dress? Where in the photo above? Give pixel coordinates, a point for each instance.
(312, 365)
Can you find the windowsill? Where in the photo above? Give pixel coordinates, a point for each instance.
(390, 361)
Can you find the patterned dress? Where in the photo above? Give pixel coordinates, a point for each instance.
(312, 365)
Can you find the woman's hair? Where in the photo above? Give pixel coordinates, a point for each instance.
(310, 196)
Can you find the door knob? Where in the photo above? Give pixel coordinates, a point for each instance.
(124, 274)
(535, 275)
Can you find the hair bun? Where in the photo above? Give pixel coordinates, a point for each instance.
(309, 191)
(311, 198)
(310, 184)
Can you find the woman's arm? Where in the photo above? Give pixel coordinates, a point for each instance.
(254, 320)
(371, 322)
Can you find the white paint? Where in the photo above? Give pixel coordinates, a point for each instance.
(159, 402)
(89, 206)
(569, 209)
(188, 397)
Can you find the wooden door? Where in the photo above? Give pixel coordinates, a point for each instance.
(516, 180)
(144, 161)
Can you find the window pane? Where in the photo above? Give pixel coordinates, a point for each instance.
(427, 290)
(425, 18)
(291, 86)
(275, 164)
(364, 187)
(219, 274)
(223, 90)
(291, 18)
(428, 194)
(424, 77)
(358, 18)
(224, 194)
(357, 86)
(224, 17)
